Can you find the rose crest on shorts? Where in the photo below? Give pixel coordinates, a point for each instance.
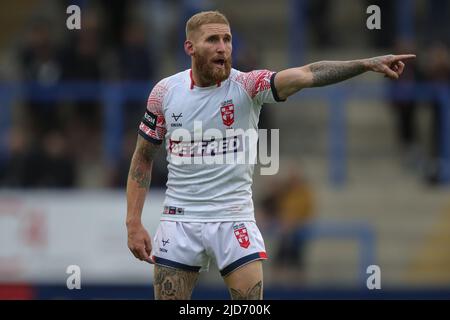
(227, 111)
(240, 231)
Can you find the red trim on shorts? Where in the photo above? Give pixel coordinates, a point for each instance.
(263, 255)
(242, 261)
(176, 265)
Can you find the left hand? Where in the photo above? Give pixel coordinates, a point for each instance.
(391, 65)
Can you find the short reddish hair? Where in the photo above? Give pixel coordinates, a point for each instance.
(204, 17)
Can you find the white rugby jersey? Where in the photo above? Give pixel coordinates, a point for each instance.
(196, 190)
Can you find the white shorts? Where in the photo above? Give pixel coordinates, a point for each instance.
(190, 245)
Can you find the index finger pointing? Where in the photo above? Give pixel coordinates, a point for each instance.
(404, 57)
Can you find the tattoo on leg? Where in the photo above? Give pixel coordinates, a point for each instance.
(173, 284)
(253, 293)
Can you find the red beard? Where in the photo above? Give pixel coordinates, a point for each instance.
(208, 71)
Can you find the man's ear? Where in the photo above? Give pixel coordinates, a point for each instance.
(189, 48)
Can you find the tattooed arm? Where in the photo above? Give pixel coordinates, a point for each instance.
(318, 74)
(137, 186)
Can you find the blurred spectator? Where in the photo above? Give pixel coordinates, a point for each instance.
(404, 106)
(291, 205)
(57, 166)
(35, 164)
(22, 164)
(40, 66)
(81, 59)
(115, 15)
(39, 55)
(136, 64)
(385, 38)
(82, 62)
(438, 21)
(318, 20)
(136, 58)
(438, 72)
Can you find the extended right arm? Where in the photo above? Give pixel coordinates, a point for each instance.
(323, 73)
(138, 183)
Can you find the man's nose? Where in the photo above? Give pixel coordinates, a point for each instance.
(221, 47)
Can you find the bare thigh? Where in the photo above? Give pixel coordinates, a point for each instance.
(173, 284)
(246, 283)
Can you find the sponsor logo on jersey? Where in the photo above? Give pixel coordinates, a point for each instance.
(241, 234)
(173, 211)
(227, 112)
(176, 117)
(206, 147)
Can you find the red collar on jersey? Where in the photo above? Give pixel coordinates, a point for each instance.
(193, 82)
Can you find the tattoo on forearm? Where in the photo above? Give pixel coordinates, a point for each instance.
(329, 72)
(146, 150)
(140, 169)
(173, 284)
(141, 175)
(253, 293)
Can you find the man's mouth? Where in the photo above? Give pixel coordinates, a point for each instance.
(219, 62)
